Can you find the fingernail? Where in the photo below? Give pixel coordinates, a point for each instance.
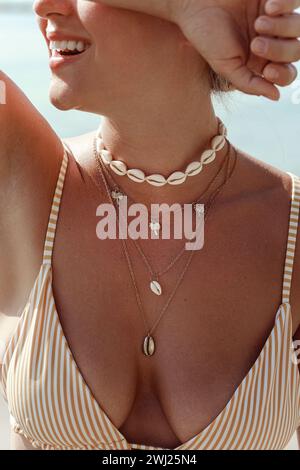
(273, 7)
(260, 46)
(264, 24)
(294, 70)
(272, 74)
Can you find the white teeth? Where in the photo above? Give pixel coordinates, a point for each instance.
(53, 45)
(80, 46)
(71, 45)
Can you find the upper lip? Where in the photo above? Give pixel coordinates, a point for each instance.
(56, 36)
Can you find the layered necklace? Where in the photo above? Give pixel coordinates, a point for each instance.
(118, 195)
(115, 195)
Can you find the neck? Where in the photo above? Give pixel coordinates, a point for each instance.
(161, 139)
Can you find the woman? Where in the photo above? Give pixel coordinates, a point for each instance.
(79, 369)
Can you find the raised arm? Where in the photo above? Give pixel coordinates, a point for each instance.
(225, 33)
(23, 131)
(29, 161)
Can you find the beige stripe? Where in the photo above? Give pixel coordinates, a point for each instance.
(280, 372)
(50, 423)
(44, 367)
(266, 416)
(64, 393)
(246, 406)
(31, 362)
(252, 403)
(260, 404)
(55, 207)
(283, 381)
(60, 397)
(39, 333)
(268, 440)
(71, 401)
(278, 392)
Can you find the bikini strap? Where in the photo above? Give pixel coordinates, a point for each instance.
(292, 238)
(51, 229)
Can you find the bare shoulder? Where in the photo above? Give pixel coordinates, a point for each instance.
(81, 147)
(258, 176)
(83, 164)
(272, 188)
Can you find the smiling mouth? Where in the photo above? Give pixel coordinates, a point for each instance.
(68, 48)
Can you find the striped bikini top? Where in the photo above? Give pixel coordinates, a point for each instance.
(52, 406)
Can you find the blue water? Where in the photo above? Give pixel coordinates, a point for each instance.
(268, 131)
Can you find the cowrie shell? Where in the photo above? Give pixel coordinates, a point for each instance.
(218, 142)
(118, 167)
(106, 156)
(193, 169)
(136, 175)
(156, 287)
(156, 180)
(177, 178)
(148, 346)
(208, 156)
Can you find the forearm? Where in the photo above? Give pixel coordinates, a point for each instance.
(165, 9)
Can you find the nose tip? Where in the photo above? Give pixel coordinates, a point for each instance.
(45, 8)
(40, 7)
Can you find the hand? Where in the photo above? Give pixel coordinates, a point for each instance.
(225, 33)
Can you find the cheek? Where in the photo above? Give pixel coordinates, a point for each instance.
(93, 17)
(108, 28)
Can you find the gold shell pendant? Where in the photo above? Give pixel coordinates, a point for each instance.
(148, 346)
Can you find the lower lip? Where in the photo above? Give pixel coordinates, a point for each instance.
(57, 60)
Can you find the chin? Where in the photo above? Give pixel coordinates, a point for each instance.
(62, 96)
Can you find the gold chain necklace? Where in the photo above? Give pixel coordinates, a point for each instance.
(149, 345)
(155, 283)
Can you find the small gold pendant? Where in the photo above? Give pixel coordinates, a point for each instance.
(148, 346)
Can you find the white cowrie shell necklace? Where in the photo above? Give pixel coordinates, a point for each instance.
(177, 177)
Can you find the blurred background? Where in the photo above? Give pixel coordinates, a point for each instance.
(269, 131)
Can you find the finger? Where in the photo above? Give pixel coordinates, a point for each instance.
(283, 26)
(280, 74)
(276, 50)
(280, 7)
(250, 83)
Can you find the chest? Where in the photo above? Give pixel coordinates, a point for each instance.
(207, 339)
